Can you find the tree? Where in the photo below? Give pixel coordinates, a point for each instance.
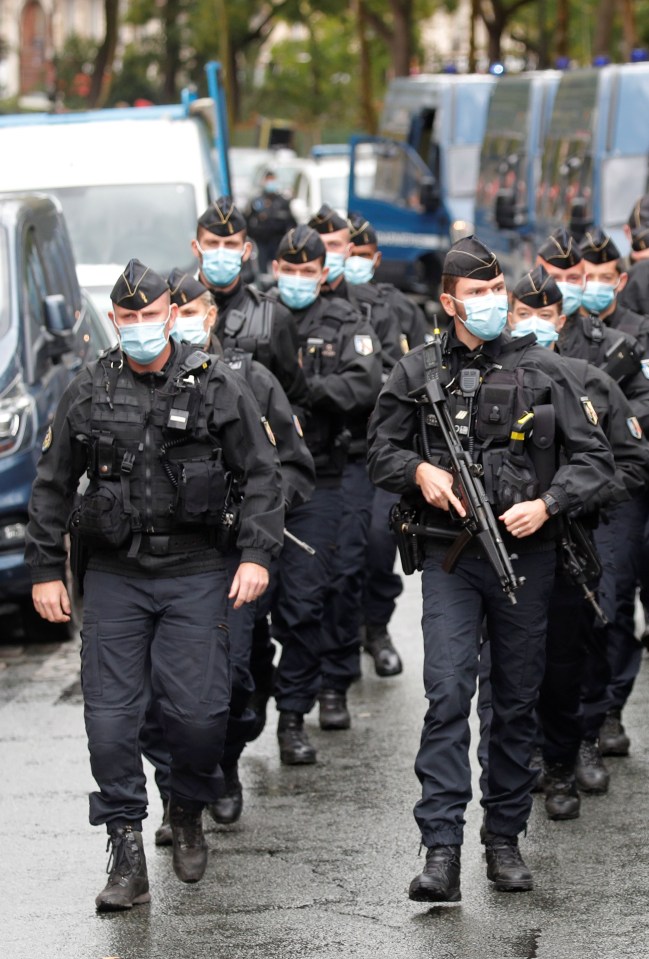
(100, 82)
(496, 15)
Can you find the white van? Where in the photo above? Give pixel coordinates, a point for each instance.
(132, 182)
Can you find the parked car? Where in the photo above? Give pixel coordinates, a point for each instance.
(48, 329)
(326, 180)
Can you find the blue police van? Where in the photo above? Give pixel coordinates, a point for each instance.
(596, 150)
(48, 329)
(510, 167)
(420, 197)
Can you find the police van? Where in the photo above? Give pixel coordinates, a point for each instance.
(421, 195)
(48, 329)
(510, 167)
(595, 157)
(132, 182)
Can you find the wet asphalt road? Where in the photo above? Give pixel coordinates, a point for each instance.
(319, 864)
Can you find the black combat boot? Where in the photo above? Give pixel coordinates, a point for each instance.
(440, 880)
(592, 774)
(163, 832)
(294, 746)
(613, 740)
(561, 797)
(190, 848)
(128, 883)
(505, 865)
(378, 644)
(228, 807)
(333, 710)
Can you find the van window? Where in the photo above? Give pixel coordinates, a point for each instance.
(390, 174)
(154, 222)
(5, 285)
(35, 290)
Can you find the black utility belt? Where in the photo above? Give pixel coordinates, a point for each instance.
(162, 544)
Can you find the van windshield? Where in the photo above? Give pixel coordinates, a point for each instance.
(5, 285)
(154, 222)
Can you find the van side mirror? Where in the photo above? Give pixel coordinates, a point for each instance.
(59, 323)
(429, 197)
(508, 216)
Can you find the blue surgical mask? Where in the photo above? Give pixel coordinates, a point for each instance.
(486, 315)
(358, 269)
(221, 267)
(297, 292)
(336, 264)
(191, 329)
(597, 296)
(572, 294)
(144, 342)
(545, 332)
(272, 186)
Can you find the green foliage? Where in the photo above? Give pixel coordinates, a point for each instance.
(133, 80)
(73, 66)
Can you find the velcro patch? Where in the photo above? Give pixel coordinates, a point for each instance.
(634, 428)
(589, 410)
(363, 345)
(269, 432)
(47, 440)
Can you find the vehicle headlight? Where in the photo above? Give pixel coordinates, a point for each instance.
(461, 228)
(12, 533)
(17, 422)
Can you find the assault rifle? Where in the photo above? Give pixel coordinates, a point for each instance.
(479, 523)
(580, 561)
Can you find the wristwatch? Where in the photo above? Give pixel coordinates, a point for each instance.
(551, 505)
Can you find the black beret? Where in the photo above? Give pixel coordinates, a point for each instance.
(327, 220)
(222, 218)
(184, 287)
(597, 247)
(639, 224)
(301, 245)
(361, 231)
(537, 289)
(471, 258)
(137, 286)
(560, 249)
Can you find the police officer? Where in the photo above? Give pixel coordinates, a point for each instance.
(490, 382)
(247, 318)
(635, 295)
(157, 426)
(269, 218)
(343, 372)
(382, 584)
(575, 642)
(589, 337)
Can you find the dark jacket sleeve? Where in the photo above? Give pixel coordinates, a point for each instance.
(235, 421)
(356, 381)
(285, 362)
(629, 445)
(392, 459)
(298, 471)
(636, 390)
(57, 477)
(412, 321)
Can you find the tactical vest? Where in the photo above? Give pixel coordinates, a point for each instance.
(152, 466)
(484, 419)
(250, 328)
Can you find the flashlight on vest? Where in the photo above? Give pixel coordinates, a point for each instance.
(521, 430)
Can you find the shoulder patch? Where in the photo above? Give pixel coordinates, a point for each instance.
(645, 367)
(405, 346)
(269, 432)
(363, 345)
(298, 426)
(589, 410)
(47, 440)
(634, 428)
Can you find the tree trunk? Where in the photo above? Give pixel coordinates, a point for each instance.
(100, 82)
(604, 19)
(401, 45)
(171, 27)
(563, 28)
(474, 15)
(629, 26)
(368, 112)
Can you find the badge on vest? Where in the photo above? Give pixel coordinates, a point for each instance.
(589, 410)
(634, 428)
(47, 440)
(363, 345)
(645, 368)
(269, 432)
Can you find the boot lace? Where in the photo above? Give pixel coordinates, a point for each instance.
(124, 854)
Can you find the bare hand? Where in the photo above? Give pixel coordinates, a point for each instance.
(51, 601)
(436, 486)
(250, 581)
(523, 519)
